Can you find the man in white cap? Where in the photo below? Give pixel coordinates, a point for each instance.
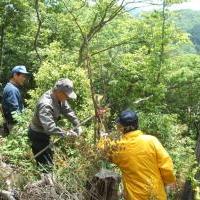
(12, 99)
(49, 108)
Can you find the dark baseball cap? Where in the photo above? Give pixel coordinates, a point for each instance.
(65, 85)
(20, 69)
(127, 118)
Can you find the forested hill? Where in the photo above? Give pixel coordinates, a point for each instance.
(189, 21)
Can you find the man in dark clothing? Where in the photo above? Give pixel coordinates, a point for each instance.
(12, 100)
(49, 108)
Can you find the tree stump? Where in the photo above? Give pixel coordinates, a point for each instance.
(7, 195)
(188, 193)
(103, 186)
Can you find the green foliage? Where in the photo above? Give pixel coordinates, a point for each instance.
(183, 95)
(16, 144)
(158, 124)
(140, 63)
(76, 164)
(75, 161)
(16, 151)
(17, 35)
(54, 68)
(166, 127)
(188, 20)
(195, 36)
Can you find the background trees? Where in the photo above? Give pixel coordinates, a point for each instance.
(149, 63)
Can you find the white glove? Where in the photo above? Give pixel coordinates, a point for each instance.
(78, 130)
(103, 134)
(62, 135)
(72, 133)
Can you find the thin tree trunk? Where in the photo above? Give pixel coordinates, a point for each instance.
(161, 57)
(2, 44)
(38, 29)
(90, 76)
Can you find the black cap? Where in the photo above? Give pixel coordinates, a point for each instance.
(128, 118)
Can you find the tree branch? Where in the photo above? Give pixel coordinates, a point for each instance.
(75, 20)
(142, 99)
(115, 45)
(96, 28)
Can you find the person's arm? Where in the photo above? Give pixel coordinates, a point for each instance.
(70, 114)
(45, 114)
(165, 163)
(12, 101)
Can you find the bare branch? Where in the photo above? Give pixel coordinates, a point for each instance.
(75, 20)
(142, 99)
(94, 29)
(147, 4)
(132, 9)
(116, 45)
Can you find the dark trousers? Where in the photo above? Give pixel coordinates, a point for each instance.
(38, 142)
(7, 127)
(6, 130)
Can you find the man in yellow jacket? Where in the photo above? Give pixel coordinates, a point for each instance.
(145, 165)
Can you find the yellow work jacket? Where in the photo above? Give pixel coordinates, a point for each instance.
(145, 165)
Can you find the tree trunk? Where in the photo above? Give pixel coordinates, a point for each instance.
(2, 44)
(104, 186)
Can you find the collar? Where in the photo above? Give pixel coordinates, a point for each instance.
(13, 83)
(132, 134)
(54, 99)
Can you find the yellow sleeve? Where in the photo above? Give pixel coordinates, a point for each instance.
(165, 163)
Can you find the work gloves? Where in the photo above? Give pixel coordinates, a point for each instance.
(69, 133)
(73, 132)
(103, 134)
(78, 130)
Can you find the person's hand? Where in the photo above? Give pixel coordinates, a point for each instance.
(62, 134)
(72, 133)
(68, 133)
(103, 134)
(78, 130)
